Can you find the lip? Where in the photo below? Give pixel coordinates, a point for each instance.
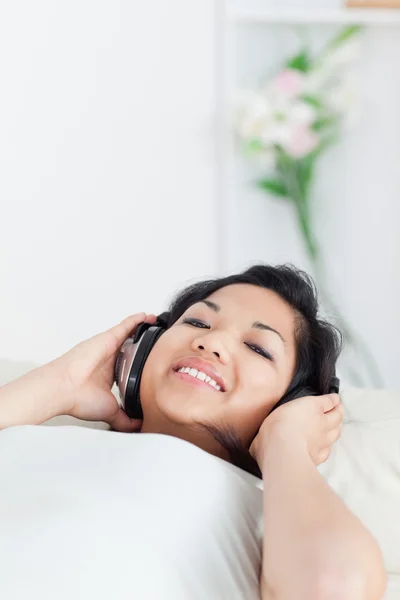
(201, 365)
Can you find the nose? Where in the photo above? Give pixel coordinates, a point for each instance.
(212, 343)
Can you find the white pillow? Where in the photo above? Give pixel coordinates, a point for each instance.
(93, 514)
(364, 467)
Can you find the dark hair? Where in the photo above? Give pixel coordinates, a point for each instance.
(318, 341)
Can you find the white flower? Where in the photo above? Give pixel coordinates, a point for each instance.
(282, 133)
(252, 114)
(302, 113)
(273, 119)
(277, 115)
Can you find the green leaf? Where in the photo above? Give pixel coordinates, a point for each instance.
(325, 123)
(345, 34)
(253, 146)
(300, 62)
(274, 186)
(312, 101)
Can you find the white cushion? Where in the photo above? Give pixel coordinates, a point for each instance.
(364, 469)
(93, 514)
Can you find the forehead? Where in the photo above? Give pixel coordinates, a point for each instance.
(253, 303)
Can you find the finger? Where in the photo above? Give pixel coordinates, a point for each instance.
(334, 417)
(121, 422)
(324, 455)
(334, 434)
(135, 321)
(330, 401)
(124, 329)
(151, 318)
(332, 437)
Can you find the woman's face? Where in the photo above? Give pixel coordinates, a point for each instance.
(239, 348)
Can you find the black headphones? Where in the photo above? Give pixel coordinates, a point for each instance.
(133, 355)
(130, 363)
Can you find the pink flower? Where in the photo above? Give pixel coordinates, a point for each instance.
(301, 141)
(289, 83)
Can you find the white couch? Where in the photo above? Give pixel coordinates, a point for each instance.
(364, 467)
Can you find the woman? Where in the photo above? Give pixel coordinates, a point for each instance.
(258, 336)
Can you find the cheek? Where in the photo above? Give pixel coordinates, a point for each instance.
(259, 387)
(159, 361)
(258, 379)
(266, 379)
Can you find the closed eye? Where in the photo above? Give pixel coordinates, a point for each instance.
(197, 323)
(254, 347)
(261, 351)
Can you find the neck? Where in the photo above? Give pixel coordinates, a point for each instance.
(194, 434)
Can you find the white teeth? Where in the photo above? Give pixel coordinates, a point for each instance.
(199, 375)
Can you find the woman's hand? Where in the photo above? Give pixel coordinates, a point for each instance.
(86, 374)
(313, 422)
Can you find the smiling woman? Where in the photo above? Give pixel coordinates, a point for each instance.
(234, 348)
(228, 353)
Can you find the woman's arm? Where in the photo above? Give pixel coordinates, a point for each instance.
(77, 383)
(314, 547)
(32, 399)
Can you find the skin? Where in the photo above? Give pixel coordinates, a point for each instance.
(253, 383)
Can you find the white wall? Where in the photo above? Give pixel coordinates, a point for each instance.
(357, 192)
(107, 164)
(110, 180)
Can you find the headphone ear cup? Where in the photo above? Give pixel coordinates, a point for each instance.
(129, 368)
(133, 406)
(335, 385)
(117, 368)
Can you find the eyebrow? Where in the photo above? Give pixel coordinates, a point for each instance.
(257, 324)
(215, 307)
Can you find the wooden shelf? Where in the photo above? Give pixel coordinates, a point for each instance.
(310, 16)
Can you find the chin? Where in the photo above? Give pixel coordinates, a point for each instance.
(187, 407)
